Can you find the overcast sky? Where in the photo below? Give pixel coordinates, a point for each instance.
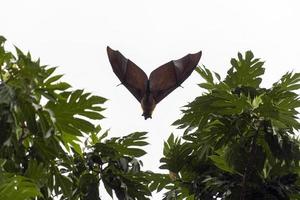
(74, 34)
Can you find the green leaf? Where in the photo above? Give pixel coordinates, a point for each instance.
(88, 184)
(92, 115)
(50, 71)
(59, 86)
(13, 187)
(135, 152)
(221, 163)
(6, 94)
(2, 40)
(206, 74)
(245, 72)
(218, 76)
(207, 86)
(29, 116)
(53, 79)
(71, 141)
(65, 184)
(76, 103)
(289, 81)
(36, 172)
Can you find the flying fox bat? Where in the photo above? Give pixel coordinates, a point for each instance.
(161, 82)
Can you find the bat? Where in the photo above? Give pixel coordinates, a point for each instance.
(161, 82)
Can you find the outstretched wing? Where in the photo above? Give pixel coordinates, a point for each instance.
(130, 75)
(169, 76)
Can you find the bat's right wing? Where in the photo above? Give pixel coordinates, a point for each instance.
(169, 76)
(130, 75)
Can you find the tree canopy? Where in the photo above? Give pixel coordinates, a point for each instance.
(238, 139)
(49, 146)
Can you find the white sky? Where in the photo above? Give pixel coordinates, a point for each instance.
(74, 34)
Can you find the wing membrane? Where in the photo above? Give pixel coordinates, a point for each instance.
(130, 75)
(169, 76)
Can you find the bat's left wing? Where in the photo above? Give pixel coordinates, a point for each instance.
(169, 76)
(130, 75)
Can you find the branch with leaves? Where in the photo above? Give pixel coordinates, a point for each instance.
(43, 126)
(241, 138)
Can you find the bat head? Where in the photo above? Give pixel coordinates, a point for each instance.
(147, 115)
(148, 105)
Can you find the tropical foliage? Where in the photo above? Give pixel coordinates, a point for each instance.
(239, 139)
(49, 146)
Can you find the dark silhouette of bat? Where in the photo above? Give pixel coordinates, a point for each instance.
(162, 81)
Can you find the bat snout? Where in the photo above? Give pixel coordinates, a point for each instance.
(147, 115)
